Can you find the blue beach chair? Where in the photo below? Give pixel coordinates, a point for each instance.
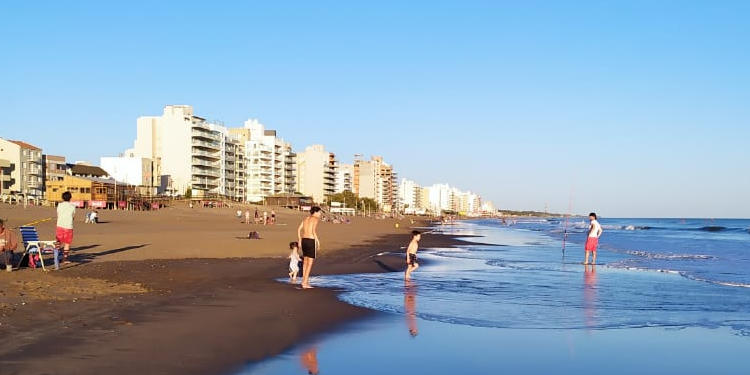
(33, 245)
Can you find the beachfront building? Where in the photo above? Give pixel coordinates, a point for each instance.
(345, 178)
(235, 180)
(90, 192)
(409, 197)
(55, 167)
(24, 170)
(440, 198)
(424, 199)
(270, 161)
(376, 179)
(189, 152)
(316, 172)
(130, 170)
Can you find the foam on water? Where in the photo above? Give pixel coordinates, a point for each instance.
(527, 283)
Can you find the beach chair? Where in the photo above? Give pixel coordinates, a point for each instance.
(33, 245)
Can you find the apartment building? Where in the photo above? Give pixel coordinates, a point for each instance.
(54, 167)
(409, 193)
(188, 152)
(270, 161)
(376, 179)
(316, 172)
(345, 178)
(23, 174)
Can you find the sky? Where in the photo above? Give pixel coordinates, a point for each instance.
(626, 108)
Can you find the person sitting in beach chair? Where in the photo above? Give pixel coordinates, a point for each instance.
(8, 243)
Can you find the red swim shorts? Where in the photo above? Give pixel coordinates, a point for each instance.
(591, 244)
(64, 235)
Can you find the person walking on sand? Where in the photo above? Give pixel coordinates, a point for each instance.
(64, 231)
(592, 241)
(247, 216)
(265, 217)
(307, 234)
(411, 254)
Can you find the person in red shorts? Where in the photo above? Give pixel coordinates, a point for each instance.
(64, 232)
(592, 241)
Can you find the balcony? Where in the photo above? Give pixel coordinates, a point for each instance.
(206, 154)
(203, 162)
(205, 172)
(210, 145)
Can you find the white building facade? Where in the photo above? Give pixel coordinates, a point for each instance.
(316, 172)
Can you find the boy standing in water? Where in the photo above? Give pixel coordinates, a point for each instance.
(411, 254)
(592, 241)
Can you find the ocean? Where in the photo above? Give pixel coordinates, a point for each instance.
(667, 296)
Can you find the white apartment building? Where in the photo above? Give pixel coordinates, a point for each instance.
(21, 169)
(130, 170)
(188, 152)
(440, 198)
(270, 168)
(316, 172)
(409, 196)
(345, 178)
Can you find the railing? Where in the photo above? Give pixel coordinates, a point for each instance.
(211, 154)
(207, 163)
(205, 172)
(213, 145)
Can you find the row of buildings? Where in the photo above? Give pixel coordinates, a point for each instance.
(179, 153)
(437, 198)
(27, 174)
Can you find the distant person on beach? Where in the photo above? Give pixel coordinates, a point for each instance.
(64, 231)
(307, 234)
(247, 216)
(592, 241)
(411, 254)
(293, 261)
(257, 218)
(273, 217)
(8, 243)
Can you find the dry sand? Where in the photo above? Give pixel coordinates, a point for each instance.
(179, 291)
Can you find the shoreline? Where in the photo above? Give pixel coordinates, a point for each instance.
(199, 315)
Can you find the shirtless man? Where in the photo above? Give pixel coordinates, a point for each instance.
(592, 241)
(307, 234)
(411, 254)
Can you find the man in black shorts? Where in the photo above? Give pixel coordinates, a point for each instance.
(307, 233)
(411, 254)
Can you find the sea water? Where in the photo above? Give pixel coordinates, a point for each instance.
(668, 296)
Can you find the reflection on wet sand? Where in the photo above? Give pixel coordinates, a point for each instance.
(309, 359)
(589, 295)
(410, 306)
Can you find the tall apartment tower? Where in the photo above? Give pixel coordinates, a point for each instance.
(188, 152)
(316, 172)
(270, 167)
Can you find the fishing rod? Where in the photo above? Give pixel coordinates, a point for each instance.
(567, 217)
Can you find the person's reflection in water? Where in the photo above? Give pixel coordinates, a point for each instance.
(309, 360)
(589, 295)
(410, 306)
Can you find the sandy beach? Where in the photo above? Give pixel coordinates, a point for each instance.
(180, 290)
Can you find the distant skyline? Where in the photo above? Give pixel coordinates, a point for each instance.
(632, 108)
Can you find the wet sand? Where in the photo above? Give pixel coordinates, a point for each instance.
(180, 291)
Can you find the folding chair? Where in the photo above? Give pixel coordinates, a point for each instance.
(32, 245)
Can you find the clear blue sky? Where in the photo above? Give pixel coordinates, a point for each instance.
(637, 108)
